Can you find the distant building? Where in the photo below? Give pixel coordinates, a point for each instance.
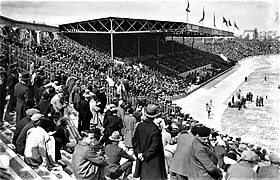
(248, 34)
(262, 35)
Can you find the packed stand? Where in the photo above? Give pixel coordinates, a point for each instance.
(152, 138)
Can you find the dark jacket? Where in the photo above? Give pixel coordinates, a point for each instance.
(12, 80)
(112, 123)
(21, 140)
(25, 99)
(84, 115)
(61, 134)
(45, 107)
(115, 153)
(20, 125)
(147, 140)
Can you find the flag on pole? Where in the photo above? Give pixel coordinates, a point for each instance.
(277, 19)
(235, 26)
(214, 21)
(188, 7)
(225, 21)
(229, 23)
(203, 15)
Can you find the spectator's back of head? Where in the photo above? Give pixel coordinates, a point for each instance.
(47, 124)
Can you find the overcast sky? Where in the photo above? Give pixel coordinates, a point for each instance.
(247, 14)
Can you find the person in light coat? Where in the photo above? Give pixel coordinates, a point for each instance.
(40, 145)
(203, 159)
(129, 126)
(93, 104)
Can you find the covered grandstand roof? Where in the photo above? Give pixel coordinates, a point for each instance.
(127, 25)
(8, 22)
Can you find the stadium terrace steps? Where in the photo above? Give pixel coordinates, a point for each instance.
(21, 171)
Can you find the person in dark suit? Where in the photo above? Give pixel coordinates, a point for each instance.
(111, 124)
(3, 92)
(61, 137)
(23, 93)
(85, 114)
(203, 159)
(103, 99)
(44, 106)
(115, 153)
(148, 148)
(41, 89)
(12, 80)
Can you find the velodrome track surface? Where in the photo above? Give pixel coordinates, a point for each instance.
(220, 91)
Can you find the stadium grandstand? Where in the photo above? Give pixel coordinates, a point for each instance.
(118, 62)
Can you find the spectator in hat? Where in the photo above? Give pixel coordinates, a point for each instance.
(24, 95)
(102, 98)
(57, 102)
(240, 149)
(203, 159)
(111, 124)
(88, 161)
(3, 92)
(271, 171)
(115, 153)
(76, 94)
(129, 126)
(244, 168)
(109, 112)
(20, 125)
(41, 89)
(169, 151)
(44, 106)
(85, 114)
(94, 108)
(179, 167)
(148, 147)
(21, 140)
(12, 80)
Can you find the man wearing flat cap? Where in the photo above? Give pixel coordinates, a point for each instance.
(203, 159)
(24, 95)
(21, 140)
(148, 148)
(271, 171)
(244, 168)
(20, 125)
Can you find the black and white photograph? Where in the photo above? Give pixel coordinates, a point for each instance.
(140, 90)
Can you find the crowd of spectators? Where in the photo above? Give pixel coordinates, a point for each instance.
(236, 49)
(61, 89)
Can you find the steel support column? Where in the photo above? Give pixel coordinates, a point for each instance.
(172, 44)
(138, 41)
(112, 41)
(157, 44)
